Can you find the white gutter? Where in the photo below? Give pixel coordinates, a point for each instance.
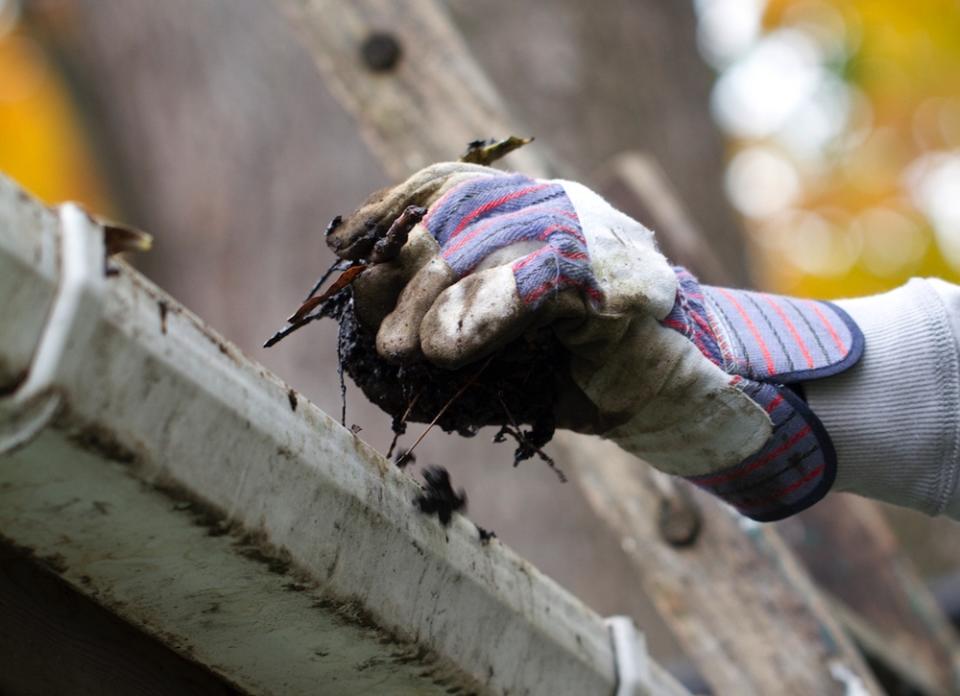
(180, 485)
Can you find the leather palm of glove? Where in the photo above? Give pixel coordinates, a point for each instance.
(688, 377)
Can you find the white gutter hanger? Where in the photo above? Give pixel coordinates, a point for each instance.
(192, 493)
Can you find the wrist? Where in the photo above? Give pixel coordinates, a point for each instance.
(767, 343)
(895, 417)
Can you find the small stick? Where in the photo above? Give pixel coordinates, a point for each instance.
(295, 322)
(518, 435)
(303, 314)
(388, 247)
(343, 384)
(446, 406)
(487, 152)
(403, 420)
(335, 266)
(347, 277)
(284, 332)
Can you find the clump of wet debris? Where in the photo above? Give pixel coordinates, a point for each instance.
(514, 389)
(439, 498)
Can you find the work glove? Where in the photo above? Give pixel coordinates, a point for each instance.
(701, 382)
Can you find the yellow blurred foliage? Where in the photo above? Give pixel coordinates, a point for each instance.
(902, 62)
(43, 145)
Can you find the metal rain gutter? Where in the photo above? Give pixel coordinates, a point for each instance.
(183, 487)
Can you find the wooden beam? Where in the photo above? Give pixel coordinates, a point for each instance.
(844, 541)
(736, 597)
(424, 107)
(638, 185)
(423, 110)
(851, 551)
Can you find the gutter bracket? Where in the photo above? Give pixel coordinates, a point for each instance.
(69, 328)
(631, 659)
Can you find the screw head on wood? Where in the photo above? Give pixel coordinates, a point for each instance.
(381, 51)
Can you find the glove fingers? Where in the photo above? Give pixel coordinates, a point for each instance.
(474, 317)
(398, 339)
(489, 308)
(354, 238)
(376, 291)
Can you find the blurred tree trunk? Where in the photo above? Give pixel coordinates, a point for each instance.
(223, 141)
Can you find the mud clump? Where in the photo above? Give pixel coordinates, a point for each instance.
(439, 498)
(516, 388)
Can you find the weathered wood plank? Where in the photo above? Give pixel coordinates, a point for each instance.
(428, 105)
(844, 541)
(737, 599)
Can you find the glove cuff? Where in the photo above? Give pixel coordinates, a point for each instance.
(767, 342)
(793, 470)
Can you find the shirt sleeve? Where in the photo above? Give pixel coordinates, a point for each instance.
(894, 418)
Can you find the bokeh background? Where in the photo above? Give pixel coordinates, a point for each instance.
(816, 143)
(841, 119)
(844, 127)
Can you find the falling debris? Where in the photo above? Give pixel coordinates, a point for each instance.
(526, 442)
(439, 497)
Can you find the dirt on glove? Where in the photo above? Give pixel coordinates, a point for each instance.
(516, 389)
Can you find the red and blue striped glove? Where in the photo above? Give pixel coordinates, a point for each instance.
(701, 382)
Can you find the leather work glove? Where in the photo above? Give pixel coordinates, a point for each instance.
(693, 379)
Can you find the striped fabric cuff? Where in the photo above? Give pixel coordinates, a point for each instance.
(793, 470)
(782, 339)
(767, 342)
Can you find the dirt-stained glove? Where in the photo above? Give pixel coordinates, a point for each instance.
(690, 378)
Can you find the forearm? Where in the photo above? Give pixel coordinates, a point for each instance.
(894, 418)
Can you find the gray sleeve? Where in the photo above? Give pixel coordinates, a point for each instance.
(894, 418)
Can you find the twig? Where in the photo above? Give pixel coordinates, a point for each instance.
(446, 406)
(347, 277)
(388, 247)
(403, 422)
(517, 433)
(343, 384)
(335, 266)
(487, 152)
(305, 313)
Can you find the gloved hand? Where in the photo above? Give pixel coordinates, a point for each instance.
(688, 377)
